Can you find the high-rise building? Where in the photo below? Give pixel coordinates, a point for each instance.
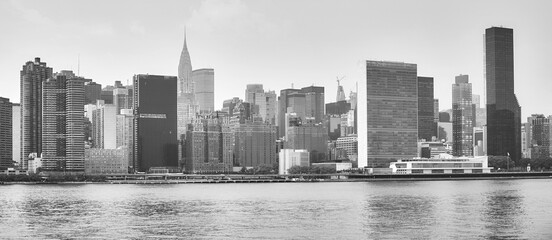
(104, 126)
(204, 89)
(255, 144)
(16, 133)
(301, 135)
(305, 102)
(539, 140)
(503, 110)
(6, 157)
(436, 110)
(107, 94)
(121, 99)
(340, 93)
(338, 108)
(187, 106)
(427, 128)
(251, 92)
(155, 124)
(63, 124)
(390, 130)
(92, 92)
(125, 134)
(32, 76)
(314, 102)
(209, 146)
(462, 117)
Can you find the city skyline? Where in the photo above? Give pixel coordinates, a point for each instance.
(244, 40)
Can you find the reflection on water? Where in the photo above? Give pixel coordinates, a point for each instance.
(514, 209)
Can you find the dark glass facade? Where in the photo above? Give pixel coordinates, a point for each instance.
(392, 112)
(92, 92)
(338, 108)
(6, 159)
(155, 122)
(503, 110)
(427, 127)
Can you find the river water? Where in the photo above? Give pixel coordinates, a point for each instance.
(496, 209)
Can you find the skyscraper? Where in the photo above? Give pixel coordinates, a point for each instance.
(121, 99)
(462, 117)
(187, 107)
(93, 92)
(209, 145)
(391, 105)
(340, 93)
(307, 102)
(32, 76)
(539, 141)
(16, 132)
(63, 124)
(427, 128)
(251, 93)
(503, 110)
(204, 89)
(104, 122)
(6, 157)
(155, 124)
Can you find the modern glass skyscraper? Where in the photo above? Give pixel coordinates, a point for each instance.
(32, 76)
(155, 139)
(503, 110)
(392, 114)
(462, 117)
(63, 124)
(204, 85)
(427, 127)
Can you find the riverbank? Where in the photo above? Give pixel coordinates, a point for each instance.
(213, 179)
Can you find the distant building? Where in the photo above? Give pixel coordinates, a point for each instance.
(121, 99)
(209, 146)
(436, 110)
(444, 117)
(503, 110)
(16, 133)
(155, 124)
(305, 102)
(187, 106)
(432, 149)
(255, 143)
(349, 144)
(445, 131)
(104, 126)
(63, 124)
(92, 92)
(338, 108)
(125, 134)
(107, 94)
(204, 88)
(540, 136)
(312, 137)
(32, 76)
(427, 128)
(6, 157)
(441, 165)
(462, 117)
(390, 128)
(106, 161)
(292, 157)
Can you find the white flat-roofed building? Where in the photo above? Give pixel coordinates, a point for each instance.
(441, 165)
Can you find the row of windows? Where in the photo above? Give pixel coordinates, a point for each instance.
(446, 165)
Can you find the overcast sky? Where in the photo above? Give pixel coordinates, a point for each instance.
(277, 43)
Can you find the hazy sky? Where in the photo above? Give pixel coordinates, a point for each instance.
(277, 43)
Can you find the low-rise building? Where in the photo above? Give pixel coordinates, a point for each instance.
(444, 164)
(292, 157)
(99, 161)
(337, 166)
